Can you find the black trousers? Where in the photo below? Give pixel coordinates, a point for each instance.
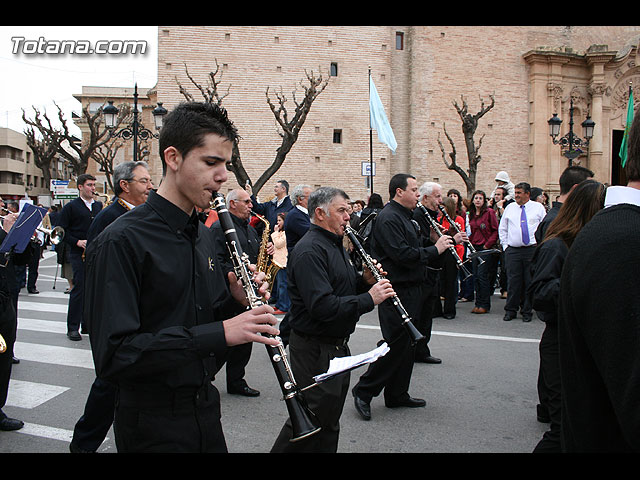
(169, 421)
(424, 321)
(518, 263)
(449, 283)
(549, 388)
(392, 373)
(76, 296)
(8, 325)
(92, 427)
(310, 357)
(237, 359)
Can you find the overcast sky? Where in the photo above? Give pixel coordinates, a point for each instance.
(29, 78)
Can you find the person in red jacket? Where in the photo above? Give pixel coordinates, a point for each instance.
(484, 236)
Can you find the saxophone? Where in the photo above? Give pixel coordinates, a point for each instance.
(264, 263)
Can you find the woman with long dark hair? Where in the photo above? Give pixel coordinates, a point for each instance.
(581, 205)
(484, 236)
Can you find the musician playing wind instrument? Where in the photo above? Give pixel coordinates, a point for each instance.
(162, 315)
(239, 205)
(396, 244)
(131, 186)
(327, 299)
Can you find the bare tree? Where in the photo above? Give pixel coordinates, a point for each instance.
(106, 153)
(45, 148)
(97, 136)
(469, 126)
(290, 128)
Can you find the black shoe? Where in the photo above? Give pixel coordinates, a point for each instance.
(428, 359)
(527, 318)
(15, 360)
(245, 391)
(508, 317)
(362, 407)
(8, 424)
(74, 335)
(448, 316)
(73, 448)
(33, 290)
(407, 402)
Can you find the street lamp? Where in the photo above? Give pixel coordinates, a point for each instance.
(571, 145)
(136, 130)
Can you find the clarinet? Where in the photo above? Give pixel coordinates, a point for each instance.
(413, 332)
(300, 415)
(451, 248)
(472, 249)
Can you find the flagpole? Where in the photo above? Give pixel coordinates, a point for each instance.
(370, 138)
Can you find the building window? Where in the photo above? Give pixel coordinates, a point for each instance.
(334, 69)
(399, 40)
(337, 136)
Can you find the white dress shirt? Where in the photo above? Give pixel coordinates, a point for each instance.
(509, 229)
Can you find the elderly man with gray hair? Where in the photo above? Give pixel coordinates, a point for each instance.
(131, 185)
(328, 296)
(296, 225)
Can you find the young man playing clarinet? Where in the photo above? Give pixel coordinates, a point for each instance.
(162, 324)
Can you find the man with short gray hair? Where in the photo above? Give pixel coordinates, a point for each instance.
(131, 185)
(328, 297)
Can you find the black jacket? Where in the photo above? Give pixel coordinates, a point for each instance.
(103, 219)
(546, 270)
(76, 219)
(598, 325)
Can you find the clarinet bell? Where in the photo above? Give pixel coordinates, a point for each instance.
(414, 333)
(465, 272)
(301, 417)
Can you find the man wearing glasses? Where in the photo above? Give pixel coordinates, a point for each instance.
(131, 185)
(239, 204)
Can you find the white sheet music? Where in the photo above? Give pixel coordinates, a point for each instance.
(342, 364)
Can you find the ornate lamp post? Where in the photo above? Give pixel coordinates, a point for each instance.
(571, 145)
(135, 130)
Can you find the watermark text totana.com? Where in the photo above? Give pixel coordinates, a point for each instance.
(24, 46)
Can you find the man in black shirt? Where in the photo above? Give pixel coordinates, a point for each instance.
(239, 205)
(396, 244)
(327, 299)
(131, 186)
(158, 300)
(430, 197)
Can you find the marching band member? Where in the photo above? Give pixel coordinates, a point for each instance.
(327, 299)
(396, 244)
(165, 319)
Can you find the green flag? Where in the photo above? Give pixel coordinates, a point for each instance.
(623, 147)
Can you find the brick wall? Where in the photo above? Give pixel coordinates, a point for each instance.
(417, 85)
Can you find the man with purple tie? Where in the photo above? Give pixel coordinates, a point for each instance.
(517, 236)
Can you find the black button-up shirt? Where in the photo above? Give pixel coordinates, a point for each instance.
(327, 295)
(154, 297)
(396, 244)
